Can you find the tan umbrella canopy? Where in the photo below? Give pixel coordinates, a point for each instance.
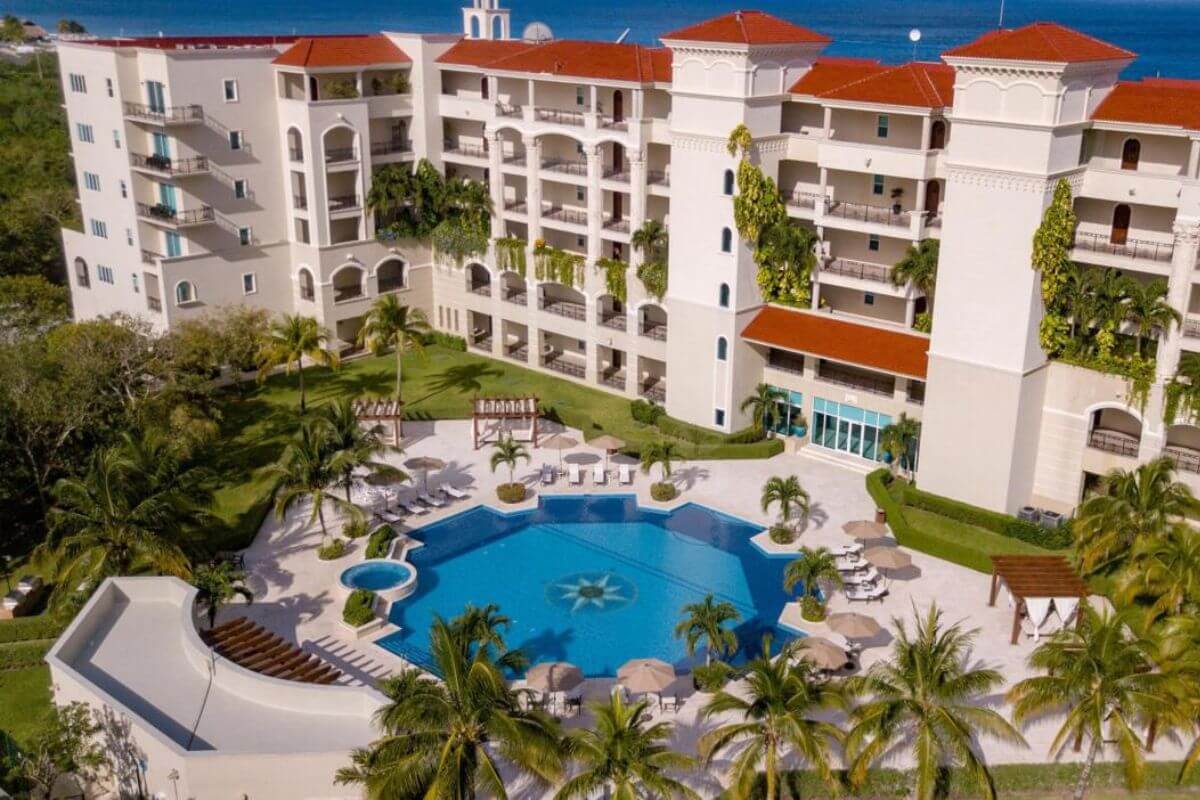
(821, 653)
(559, 442)
(887, 557)
(553, 676)
(853, 625)
(865, 528)
(423, 464)
(645, 675)
(609, 444)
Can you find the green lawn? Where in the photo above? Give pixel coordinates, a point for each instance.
(981, 539)
(24, 702)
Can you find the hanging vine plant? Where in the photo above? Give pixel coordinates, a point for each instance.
(1052, 244)
(653, 275)
(560, 266)
(1182, 392)
(510, 255)
(614, 277)
(458, 240)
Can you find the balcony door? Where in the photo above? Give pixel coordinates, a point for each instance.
(162, 145)
(933, 198)
(1120, 225)
(618, 106)
(1131, 154)
(156, 97)
(166, 196)
(617, 211)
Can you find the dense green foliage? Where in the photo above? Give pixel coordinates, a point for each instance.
(1003, 524)
(24, 654)
(332, 550)
(510, 492)
(359, 608)
(28, 629)
(614, 277)
(410, 203)
(380, 542)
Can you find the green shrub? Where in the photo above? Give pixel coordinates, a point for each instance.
(511, 492)
(380, 542)
(447, 340)
(1002, 524)
(746, 436)
(765, 448)
(712, 677)
(812, 609)
(334, 550)
(663, 491)
(782, 534)
(688, 432)
(359, 608)
(24, 654)
(356, 528)
(24, 629)
(340, 89)
(646, 413)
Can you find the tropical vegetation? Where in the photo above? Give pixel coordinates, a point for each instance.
(919, 268)
(794, 502)
(763, 406)
(811, 568)
(706, 622)
(217, 584)
(291, 339)
(389, 324)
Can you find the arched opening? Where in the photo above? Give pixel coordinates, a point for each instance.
(307, 289)
(652, 322)
(479, 280)
(497, 29)
(1120, 224)
(484, 90)
(726, 240)
(81, 273)
(1114, 430)
(562, 300)
(937, 135)
(1183, 447)
(1131, 154)
(933, 198)
(611, 311)
(512, 288)
(338, 143)
(722, 349)
(184, 293)
(295, 145)
(618, 103)
(348, 283)
(728, 185)
(474, 27)
(391, 275)
(723, 295)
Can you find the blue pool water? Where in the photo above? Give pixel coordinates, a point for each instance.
(376, 575)
(593, 580)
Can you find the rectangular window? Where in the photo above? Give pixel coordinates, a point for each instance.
(235, 140)
(580, 193)
(116, 138)
(136, 289)
(78, 83)
(877, 185)
(580, 241)
(579, 98)
(129, 236)
(719, 417)
(244, 236)
(108, 86)
(156, 96)
(105, 274)
(99, 229)
(881, 126)
(85, 133)
(124, 189)
(92, 181)
(231, 90)
(239, 189)
(174, 245)
(873, 243)
(249, 283)
(868, 299)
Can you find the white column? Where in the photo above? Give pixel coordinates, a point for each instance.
(918, 214)
(1194, 160)
(1183, 266)
(530, 98)
(533, 196)
(926, 132)
(595, 215)
(828, 122)
(910, 310)
(496, 178)
(637, 197)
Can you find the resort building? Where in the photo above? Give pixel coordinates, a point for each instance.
(235, 170)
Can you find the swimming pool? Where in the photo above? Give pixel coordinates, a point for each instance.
(590, 579)
(377, 575)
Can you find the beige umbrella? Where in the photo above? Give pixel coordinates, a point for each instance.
(887, 557)
(821, 653)
(553, 676)
(424, 464)
(853, 625)
(643, 675)
(865, 528)
(609, 444)
(559, 442)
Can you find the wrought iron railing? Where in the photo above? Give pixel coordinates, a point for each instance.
(1136, 249)
(863, 270)
(165, 115)
(1113, 442)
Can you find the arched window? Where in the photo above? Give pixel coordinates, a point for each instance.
(726, 240)
(483, 87)
(497, 29)
(937, 135)
(728, 185)
(81, 273)
(184, 293)
(474, 27)
(722, 348)
(1120, 224)
(723, 295)
(391, 275)
(1131, 153)
(307, 291)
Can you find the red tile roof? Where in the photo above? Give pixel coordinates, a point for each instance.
(188, 42)
(570, 57)
(919, 84)
(840, 340)
(1153, 101)
(342, 51)
(747, 27)
(1040, 41)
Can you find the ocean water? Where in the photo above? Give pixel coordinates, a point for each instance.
(1164, 32)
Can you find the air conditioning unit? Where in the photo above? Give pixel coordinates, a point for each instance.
(1028, 513)
(1051, 519)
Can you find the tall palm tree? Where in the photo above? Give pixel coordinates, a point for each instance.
(469, 200)
(353, 446)
(508, 451)
(485, 626)
(392, 324)
(1166, 568)
(706, 621)
(663, 454)
(1101, 679)
(651, 240)
(1147, 307)
(789, 495)
(810, 568)
(919, 267)
(290, 339)
(927, 696)
(218, 584)
(899, 440)
(763, 406)
(777, 706)
(453, 738)
(308, 469)
(626, 755)
(1139, 503)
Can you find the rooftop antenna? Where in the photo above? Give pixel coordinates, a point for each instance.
(914, 36)
(621, 38)
(1000, 24)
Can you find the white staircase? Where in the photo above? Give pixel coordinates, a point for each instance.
(845, 461)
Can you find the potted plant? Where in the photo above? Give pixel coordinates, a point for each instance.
(897, 193)
(358, 614)
(508, 451)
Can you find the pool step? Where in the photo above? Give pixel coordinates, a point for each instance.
(838, 460)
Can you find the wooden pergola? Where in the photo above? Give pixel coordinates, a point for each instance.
(1035, 576)
(382, 411)
(503, 410)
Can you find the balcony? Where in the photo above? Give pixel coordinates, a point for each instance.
(518, 351)
(571, 216)
(565, 166)
(563, 308)
(863, 270)
(613, 124)
(464, 150)
(616, 225)
(349, 202)
(654, 390)
(861, 212)
(1110, 441)
(165, 215)
(394, 147)
(1133, 249)
(839, 376)
(516, 206)
(1185, 459)
(619, 174)
(515, 160)
(340, 155)
(616, 320)
(800, 199)
(654, 330)
(558, 117)
(170, 167)
(612, 379)
(481, 288)
(509, 110)
(564, 366)
(518, 297)
(169, 115)
(1191, 327)
(658, 177)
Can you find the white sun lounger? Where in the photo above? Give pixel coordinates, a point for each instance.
(599, 475)
(547, 475)
(573, 476)
(430, 500)
(864, 595)
(624, 474)
(411, 506)
(389, 516)
(455, 492)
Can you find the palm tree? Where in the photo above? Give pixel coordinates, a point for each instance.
(777, 704)
(706, 621)
(291, 339)
(469, 200)
(1101, 678)
(217, 584)
(353, 447)
(789, 495)
(899, 440)
(763, 406)
(1139, 503)
(306, 470)
(625, 755)
(919, 267)
(508, 451)
(927, 696)
(1166, 568)
(1147, 307)
(651, 241)
(661, 453)
(448, 738)
(391, 188)
(389, 323)
(485, 627)
(810, 568)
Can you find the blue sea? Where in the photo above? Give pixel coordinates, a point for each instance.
(1164, 32)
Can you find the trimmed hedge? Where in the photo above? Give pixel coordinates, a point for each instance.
(447, 340)
(511, 492)
(335, 549)
(761, 449)
(662, 491)
(359, 608)
(646, 413)
(1002, 524)
(379, 542)
(20, 655)
(24, 629)
(688, 432)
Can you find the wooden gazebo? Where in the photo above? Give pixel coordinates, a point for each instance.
(382, 411)
(1035, 576)
(504, 411)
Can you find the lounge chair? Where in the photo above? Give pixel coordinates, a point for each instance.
(411, 506)
(865, 594)
(624, 474)
(547, 475)
(431, 500)
(455, 492)
(28, 583)
(573, 476)
(599, 475)
(12, 600)
(389, 516)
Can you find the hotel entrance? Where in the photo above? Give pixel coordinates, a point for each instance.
(848, 429)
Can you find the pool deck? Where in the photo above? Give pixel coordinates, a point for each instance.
(295, 593)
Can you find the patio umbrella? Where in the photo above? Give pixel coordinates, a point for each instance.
(424, 464)
(853, 625)
(553, 676)
(865, 528)
(609, 444)
(821, 653)
(643, 675)
(559, 442)
(887, 557)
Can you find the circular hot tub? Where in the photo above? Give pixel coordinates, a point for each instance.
(385, 577)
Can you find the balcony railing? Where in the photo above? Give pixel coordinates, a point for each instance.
(617, 225)
(861, 212)
(786, 362)
(799, 199)
(1191, 328)
(518, 351)
(340, 155)
(516, 206)
(613, 380)
(149, 256)
(567, 166)
(153, 303)
(169, 166)
(482, 343)
(573, 216)
(614, 124)
(558, 116)
(654, 330)
(388, 148)
(162, 213)
(1136, 249)
(518, 297)
(655, 391)
(559, 364)
(1185, 459)
(613, 319)
(658, 177)
(344, 203)
(515, 160)
(342, 294)
(617, 173)
(469, 150)
(881, 386)
(392, 284)
(299, 201)
(165, 116)
(481, 288)
(862, 270)
(1123, 444)
(508, 110)
(563, 308)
